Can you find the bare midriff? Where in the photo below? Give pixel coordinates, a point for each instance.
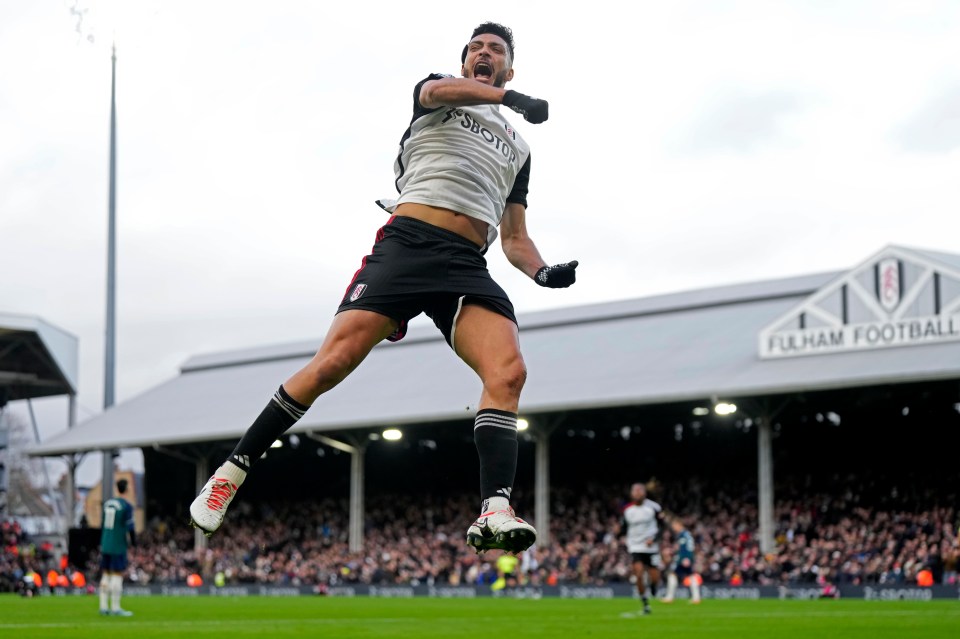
(471, 228)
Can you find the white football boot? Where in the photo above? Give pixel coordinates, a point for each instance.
(210, 506)
(500, 530)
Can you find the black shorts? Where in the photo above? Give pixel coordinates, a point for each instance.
(681, 571)
(113, 562)
(416, 268)
(648, 559)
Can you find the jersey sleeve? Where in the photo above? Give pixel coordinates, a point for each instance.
(418, 109)
(518, 195)
(130, 531)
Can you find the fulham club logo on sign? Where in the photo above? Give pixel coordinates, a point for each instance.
(357, 292)
(888, 283)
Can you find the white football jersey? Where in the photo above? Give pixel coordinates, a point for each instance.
(642, 522)
(466, 159)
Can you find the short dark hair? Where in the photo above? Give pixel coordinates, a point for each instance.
(121, 485)
(496, 29)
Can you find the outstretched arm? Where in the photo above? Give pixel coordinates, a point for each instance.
(523, 254)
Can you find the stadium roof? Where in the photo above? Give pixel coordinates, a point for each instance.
(686, 346)
(37, 359)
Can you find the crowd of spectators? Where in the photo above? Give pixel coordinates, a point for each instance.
(20, 556)
(855, 536)
(825, 538)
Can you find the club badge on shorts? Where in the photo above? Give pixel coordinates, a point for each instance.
(357, 292)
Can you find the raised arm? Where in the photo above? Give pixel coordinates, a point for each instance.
(459, 92)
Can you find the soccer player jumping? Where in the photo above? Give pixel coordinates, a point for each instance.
(462, 171)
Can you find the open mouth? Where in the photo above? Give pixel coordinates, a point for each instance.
(482, 71)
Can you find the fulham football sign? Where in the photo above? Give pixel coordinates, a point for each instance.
(899, 297)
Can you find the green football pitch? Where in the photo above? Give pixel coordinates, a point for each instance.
(267, 617)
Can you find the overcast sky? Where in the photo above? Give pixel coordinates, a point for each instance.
(690, 144)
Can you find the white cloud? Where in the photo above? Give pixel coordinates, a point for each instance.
(935, 128)
(743, 123)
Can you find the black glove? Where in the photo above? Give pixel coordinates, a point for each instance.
(558, 275)
(532, 109)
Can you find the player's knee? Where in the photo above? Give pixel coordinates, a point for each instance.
(517, 377)
(508, 380)
(329, 369)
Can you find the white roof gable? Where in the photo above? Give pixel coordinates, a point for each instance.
(896, 297)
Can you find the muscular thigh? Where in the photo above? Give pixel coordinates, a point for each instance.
(350, 339)
(357, 331)
(486, 340)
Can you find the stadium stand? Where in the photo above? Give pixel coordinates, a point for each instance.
(822, 395)
(860, 534)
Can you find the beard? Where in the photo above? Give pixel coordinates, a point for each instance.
(500, 80)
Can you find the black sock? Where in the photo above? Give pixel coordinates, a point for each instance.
(495, 433)
(280, 414)
(653, 590)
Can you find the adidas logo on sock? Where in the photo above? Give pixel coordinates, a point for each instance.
(243, 459)
(505, 492)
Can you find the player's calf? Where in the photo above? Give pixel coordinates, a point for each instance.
(210, 507)
(498, 527)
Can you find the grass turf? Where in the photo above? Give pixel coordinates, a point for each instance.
(268, 617)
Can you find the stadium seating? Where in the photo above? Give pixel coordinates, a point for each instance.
(854, 536)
